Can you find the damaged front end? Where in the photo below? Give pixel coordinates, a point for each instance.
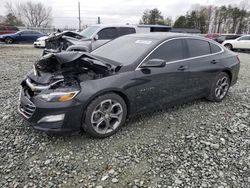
(63, 72)
(48, 91)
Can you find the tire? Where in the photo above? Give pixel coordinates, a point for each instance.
(105, 115)
(8, 40)
(229, 46)
(219, 88)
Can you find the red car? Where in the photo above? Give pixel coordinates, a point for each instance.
(8, 29)
(212, 36)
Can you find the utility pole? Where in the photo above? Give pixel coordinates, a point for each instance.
(79, 16)
(98, 20)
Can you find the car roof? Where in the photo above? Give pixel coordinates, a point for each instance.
(161, 36)
(112, 25)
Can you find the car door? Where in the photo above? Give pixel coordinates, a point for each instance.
(242, 43)
(23, 36)
(204, 65)
(104, 36)
(161, 85)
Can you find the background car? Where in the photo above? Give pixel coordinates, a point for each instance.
(8, 29)
(40, 42)
(212, 36)
(21, 36)
(224, 37)
(97, 91)
(239, 43)
(98, 35)
(93, 37)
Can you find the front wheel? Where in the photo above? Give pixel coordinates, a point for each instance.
(220, 87)
(105, 115)
(8, 40)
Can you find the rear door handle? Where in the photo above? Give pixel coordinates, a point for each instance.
(214, 61)
(183, 67)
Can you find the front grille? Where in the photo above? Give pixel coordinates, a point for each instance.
(27, 110)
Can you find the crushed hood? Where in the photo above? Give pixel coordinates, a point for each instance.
(68, 60)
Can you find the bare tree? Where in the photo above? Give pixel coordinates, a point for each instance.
(31, 13)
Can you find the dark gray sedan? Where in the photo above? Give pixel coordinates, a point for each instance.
(98, 91)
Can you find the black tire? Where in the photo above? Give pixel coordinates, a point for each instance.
(229, 46)
(8, 40)
(219, 88)
(99, 113)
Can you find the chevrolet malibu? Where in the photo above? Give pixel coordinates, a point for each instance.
(96, 92)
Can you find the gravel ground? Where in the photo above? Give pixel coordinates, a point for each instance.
(198, 144)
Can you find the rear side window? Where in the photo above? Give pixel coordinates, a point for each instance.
(107, 33)
(198, 47)
(125, 30)
(214, 48)
(2, 28)
(245, 38)
(169, 51)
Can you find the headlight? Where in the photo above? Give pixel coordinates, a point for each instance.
(58, 96)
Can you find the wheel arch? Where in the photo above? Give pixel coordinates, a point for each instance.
(229, 73)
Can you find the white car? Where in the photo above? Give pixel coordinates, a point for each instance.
(40, 42)
(242, 42)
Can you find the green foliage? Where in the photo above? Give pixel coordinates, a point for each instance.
(10, 19)
(224, 19)
(152, 17)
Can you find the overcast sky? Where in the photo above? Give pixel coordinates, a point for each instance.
(65, 12)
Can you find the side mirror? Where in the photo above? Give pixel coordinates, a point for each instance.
(96, 37)
(154, 63)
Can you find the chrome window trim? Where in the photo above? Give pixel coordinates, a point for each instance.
(190, 58)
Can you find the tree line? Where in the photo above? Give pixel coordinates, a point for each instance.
(223, 19)
(27, 13)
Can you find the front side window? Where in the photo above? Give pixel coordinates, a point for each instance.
(169, 51)
(198, 47)
(107, 34)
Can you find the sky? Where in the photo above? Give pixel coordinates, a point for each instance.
(65, 12)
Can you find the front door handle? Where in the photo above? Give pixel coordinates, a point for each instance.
(183, 67)
(214, 61)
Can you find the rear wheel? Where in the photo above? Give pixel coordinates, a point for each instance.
(220, 87)
(8, 40)
(105, 115)
(229, 46)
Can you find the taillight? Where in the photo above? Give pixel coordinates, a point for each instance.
(238, 59)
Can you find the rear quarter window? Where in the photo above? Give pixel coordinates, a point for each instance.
(214, 48)
(198, 47)
(125, 31)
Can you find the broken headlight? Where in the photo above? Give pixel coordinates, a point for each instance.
(58, 96)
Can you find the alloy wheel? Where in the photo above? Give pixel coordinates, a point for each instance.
(221, 88)
(9, 40)
(107, 116)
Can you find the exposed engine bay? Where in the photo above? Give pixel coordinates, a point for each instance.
(59, 41)
(60, 72)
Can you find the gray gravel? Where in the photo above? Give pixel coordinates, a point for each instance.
(198, 144)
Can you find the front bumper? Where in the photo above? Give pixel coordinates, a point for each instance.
(33, 110)
(39, 44)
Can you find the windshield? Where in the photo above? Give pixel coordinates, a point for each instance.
(125, 50)
(89, 31)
